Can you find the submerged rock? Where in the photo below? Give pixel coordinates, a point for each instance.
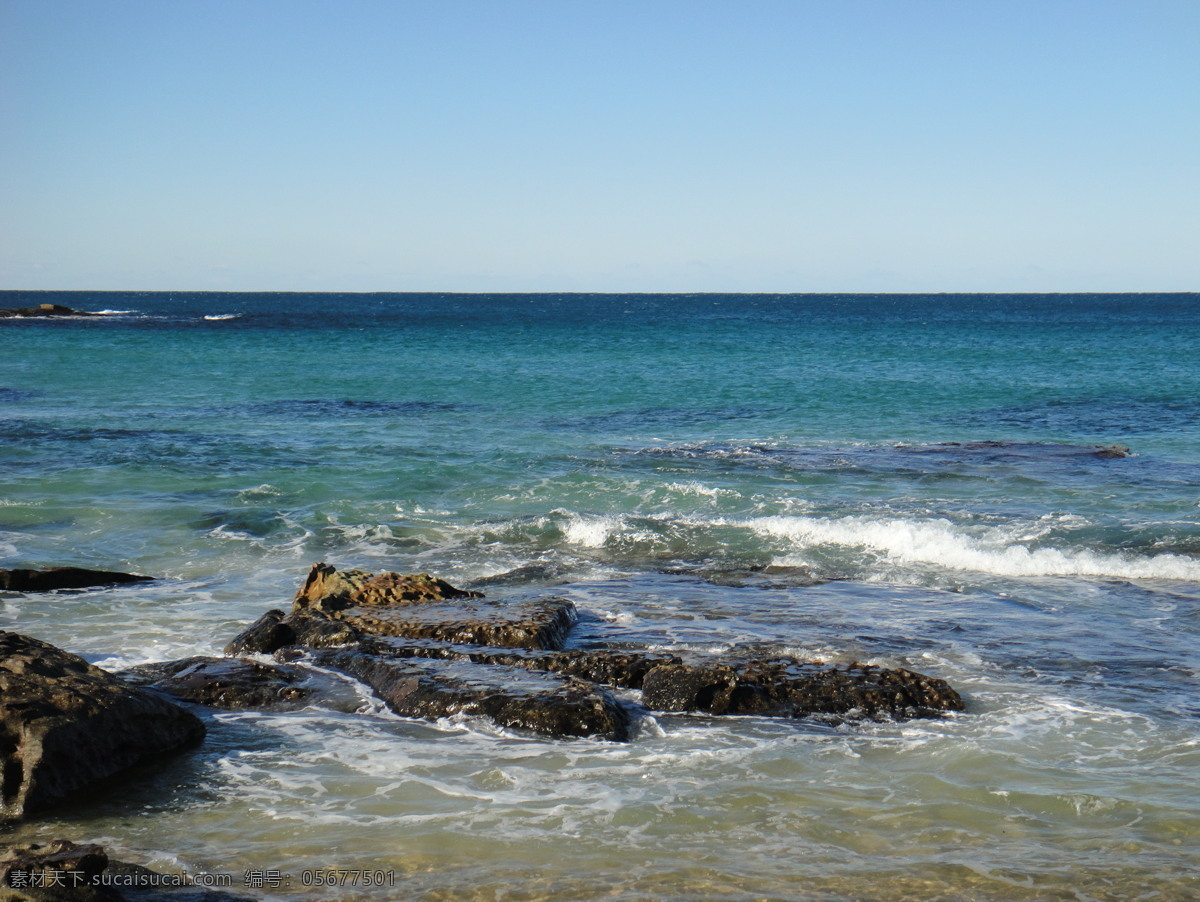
(512, 697)
(225, 682)
(53, 578)
(786, 687)
(65, 724)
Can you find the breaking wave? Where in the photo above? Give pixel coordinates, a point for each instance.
(941, 543)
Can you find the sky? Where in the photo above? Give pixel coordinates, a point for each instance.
(563, 145)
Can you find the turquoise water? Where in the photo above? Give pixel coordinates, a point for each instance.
(909, 480)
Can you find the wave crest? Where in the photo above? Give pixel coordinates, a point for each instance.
(941, 543)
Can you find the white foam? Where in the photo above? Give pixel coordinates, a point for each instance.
(590, 531)
(697, 488)
(217, 317)
(944, 544)
(113, 312)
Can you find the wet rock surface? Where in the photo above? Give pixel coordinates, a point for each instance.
(625, 669)
(65, 724)
(430, 650)
(54, 578)
(226, 682)
(275, 630)
(63, 871)
(537, 624)
(513, 697)
(786, 687)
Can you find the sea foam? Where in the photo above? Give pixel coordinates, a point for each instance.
(943, 544)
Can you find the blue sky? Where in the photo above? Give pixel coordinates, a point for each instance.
(843, 145)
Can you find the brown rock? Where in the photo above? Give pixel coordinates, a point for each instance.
(330, 590)
(416, 607)
(541, 624)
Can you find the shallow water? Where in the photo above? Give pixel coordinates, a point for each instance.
(902, 480)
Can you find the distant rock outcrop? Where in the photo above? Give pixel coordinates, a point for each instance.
(42, 310)
(65, 724)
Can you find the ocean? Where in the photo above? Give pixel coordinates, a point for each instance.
(903, 480)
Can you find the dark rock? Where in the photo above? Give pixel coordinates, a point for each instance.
(511, 696)
(1110, 452)
(65, 724)
(526, 575)
(42, 310)
(275, 630)
(63, 871)
(330, 590)
(786, 687)
(57, 871)
(626, 669)
(771, 576)
(225, 682)
(64, 578)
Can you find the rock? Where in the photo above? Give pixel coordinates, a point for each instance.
(63, 871)
(330, 590)
(418, 607)
(65, 724)
(274, 630)
(43, 310)
(626, 669)
(60, 871)
(540, 624)
(429, 649)
(511, 696)
(786, 687)
(64, 578)
(1110, 452)
(767, 576)
(225, 682)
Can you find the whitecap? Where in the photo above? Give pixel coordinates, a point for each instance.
(217, 317)
(941, 543)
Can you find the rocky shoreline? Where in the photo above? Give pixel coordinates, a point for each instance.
(425, 648)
